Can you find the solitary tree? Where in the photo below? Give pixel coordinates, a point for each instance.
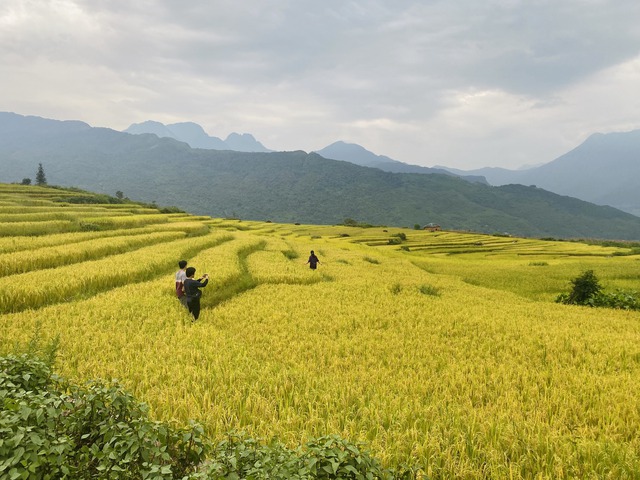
(585, 288)
(26, 181)
(41, 179)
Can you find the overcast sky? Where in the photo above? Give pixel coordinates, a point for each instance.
(460, 83)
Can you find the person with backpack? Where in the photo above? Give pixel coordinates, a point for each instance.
(180, 278)
(192, 291)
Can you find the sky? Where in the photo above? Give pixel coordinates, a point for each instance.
(460, 83)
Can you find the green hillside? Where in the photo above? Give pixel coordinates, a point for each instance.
(300, 187)
(288, 186)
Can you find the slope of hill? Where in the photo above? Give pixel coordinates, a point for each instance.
(604, 169)
(494, 175)
(291, 186)
(195, 136)
(358, 155)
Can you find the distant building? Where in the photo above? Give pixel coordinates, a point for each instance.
(432, 227)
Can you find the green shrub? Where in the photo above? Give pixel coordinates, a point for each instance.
(238, 457)
(290, 254)
(429, 290)
(397, 238)
(52, 429)
(171, 209)
(325, 458)
(585, 287)
(396, 288)
(587, 291)
(371, 260)
(625, 300)
(90, 227)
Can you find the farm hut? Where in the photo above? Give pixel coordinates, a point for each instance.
(432, 227)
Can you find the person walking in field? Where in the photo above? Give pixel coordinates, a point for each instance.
(313, 261)
(181, 276)
(192, 291)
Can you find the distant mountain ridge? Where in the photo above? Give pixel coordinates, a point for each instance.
(351, 152)
(288, 186)
(195, 136)
(604, 169)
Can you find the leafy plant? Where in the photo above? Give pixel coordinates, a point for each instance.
(625, 300)
(53, 429)
(587, 291)
(429, 290)
(290, 254)
(90, 227)
(324, 458)
(585, 287)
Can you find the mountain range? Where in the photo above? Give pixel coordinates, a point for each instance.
(353, 153)
(195, 136)
(288, 186)
(604, 169)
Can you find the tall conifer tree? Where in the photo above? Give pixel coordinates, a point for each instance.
(41, 179)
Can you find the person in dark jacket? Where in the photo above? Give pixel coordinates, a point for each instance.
(192, 291)
(313, 261)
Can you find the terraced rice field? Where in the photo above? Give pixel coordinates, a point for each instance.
(445, 350)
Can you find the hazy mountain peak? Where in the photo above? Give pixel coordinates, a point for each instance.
(196, 137)
(150, 126)
(190, 127)
(357, 154)
(10, 120)
(244, 142)
(352, 152)
(603, 169)
(244, 136)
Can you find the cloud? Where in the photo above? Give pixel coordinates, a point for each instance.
(462, 83)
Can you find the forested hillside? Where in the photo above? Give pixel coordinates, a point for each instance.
(288, 186)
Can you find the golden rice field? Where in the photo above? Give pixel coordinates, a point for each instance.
(445, 350)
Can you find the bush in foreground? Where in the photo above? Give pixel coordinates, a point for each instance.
(329, 457)
(51, 429)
